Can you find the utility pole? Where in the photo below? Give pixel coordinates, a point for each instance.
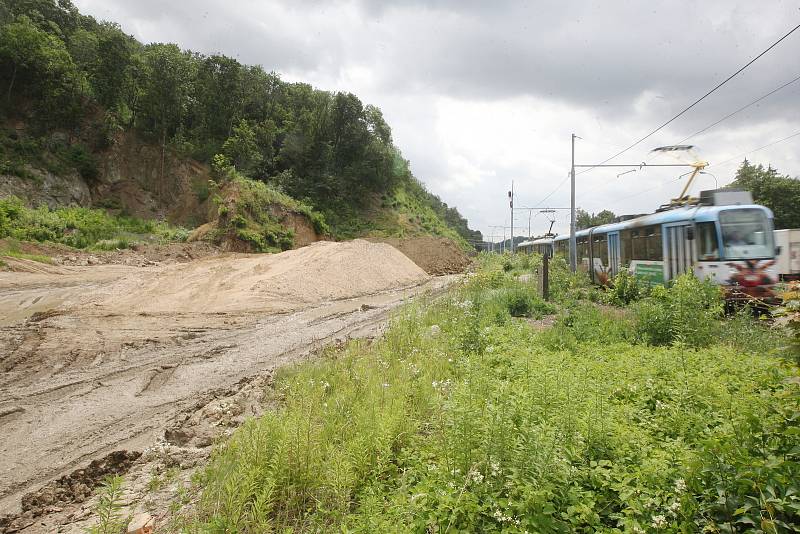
(511, 204)
(573, 246)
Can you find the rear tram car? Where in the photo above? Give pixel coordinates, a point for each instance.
(542, 245)
(724, 237)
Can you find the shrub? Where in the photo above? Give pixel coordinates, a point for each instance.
(521, 301)
(77, 227)
(624, 289)
(84, 161)
(791, 312)
(688, 311)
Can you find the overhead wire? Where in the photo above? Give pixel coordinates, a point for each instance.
(729, 115)
(755, 150)
(660, 185)
(693, 104)
(553, 192)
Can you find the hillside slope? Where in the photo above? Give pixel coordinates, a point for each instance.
(94, 117)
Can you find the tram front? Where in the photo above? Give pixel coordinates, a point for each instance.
(748, 251)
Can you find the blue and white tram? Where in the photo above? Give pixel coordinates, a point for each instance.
(542, 245)
(729, 240)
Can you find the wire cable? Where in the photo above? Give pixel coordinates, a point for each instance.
(729, 115)
(693, 104)
(553, 192)
(755, 150)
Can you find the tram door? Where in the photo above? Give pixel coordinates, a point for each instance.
(679, 251)
(613, 253)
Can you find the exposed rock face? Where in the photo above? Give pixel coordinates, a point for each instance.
(47, 189)
(150, 183)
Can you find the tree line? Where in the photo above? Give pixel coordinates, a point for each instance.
(63, 69)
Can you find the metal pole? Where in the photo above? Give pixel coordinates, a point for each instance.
(511, 203)
(573, 252)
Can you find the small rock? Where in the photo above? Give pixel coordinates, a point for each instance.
(142, 523)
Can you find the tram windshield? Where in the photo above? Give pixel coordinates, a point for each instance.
(746, 234)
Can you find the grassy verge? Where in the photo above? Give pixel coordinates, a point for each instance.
(463, 418)
(11, 249)
(80, 227)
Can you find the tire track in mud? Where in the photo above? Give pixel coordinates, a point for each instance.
(146, 375)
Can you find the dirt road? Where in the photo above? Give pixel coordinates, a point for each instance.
(95, 360)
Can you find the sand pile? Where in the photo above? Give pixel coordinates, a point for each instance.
(240, 283)
(435, 255)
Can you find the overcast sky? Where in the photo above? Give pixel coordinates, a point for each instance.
(482, 92)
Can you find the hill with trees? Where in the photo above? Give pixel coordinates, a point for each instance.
(77, 91)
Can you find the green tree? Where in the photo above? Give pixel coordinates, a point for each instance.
(583, 219)
(780, 193)
(38, 68)
(242, 148)
(166, 89)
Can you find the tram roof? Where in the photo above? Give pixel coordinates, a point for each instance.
(685, 213)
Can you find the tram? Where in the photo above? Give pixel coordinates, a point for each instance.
(723, 236)
(541, 245)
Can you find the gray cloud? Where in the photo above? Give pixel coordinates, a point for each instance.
(608, 71)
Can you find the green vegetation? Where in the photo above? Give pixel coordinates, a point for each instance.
(251, 212)
(80, 227)
(109, 508)
(11, 248)
(66, 72)
(459, 420)
(584, 219)
(779, 193)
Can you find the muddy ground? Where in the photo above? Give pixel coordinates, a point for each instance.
(98, 378)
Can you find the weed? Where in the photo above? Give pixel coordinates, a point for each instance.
(108, 509)
(78, 227)
(689, 310)
(488, 426)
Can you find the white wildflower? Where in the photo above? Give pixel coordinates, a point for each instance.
(674, 507)
(659, 521)
(680, 485)
(385, 384)
(495, 468)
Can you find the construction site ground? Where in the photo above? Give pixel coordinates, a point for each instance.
(153, 357)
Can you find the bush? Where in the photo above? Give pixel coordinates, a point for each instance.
(521, 301)
(687, 312)
(624, 289)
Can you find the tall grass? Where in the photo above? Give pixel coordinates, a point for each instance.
(456, 421)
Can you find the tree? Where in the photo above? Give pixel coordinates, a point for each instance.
(167, 85)
(780, 193)
(242, 149)
(585, 220)
(39, 68)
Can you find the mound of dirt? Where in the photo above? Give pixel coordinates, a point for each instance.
(239, 283)
(435, 255)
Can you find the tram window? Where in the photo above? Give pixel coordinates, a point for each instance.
(638, 245)
(654, 250)
(707, 242)
(583, 248)
(600, 248)
(625, 247)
